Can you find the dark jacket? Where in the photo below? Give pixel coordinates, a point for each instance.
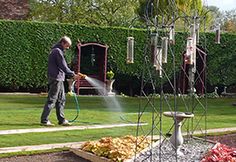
(57, 66)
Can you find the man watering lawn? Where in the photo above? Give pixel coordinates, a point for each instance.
(57, 69)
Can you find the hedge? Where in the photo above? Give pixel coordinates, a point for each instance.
(25, 47)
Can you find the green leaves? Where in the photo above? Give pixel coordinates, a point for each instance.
(221, 60)
(110, 75)
(99, 12)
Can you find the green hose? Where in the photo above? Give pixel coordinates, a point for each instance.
(76, 102)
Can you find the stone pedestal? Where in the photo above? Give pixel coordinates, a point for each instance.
(110, 87)
(176, 138)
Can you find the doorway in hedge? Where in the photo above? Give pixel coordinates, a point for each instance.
(92, 61)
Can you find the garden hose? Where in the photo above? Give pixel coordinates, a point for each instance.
(72, 93)
(123, 118)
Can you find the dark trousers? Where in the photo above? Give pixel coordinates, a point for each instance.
(56, 98)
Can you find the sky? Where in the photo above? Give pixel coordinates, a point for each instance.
(223, 5)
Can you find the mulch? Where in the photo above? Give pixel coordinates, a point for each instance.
(227, 139)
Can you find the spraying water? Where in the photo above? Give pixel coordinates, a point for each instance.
(111, 101)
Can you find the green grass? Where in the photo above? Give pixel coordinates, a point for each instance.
(22, 111)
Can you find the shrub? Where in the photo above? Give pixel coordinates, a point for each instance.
(110, 75)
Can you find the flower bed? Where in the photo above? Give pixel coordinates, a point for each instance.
(117, 149)
(220, 153)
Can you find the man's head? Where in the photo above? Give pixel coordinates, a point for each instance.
(65, 42)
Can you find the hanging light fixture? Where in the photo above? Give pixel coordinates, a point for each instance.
(130, 50)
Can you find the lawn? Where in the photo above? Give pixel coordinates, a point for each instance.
(23, 111)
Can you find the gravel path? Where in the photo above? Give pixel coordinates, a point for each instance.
(192, 149)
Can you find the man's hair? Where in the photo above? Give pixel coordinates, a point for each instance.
(65, 39)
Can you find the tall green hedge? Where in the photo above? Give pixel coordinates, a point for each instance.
(221, 60)
(25, 47)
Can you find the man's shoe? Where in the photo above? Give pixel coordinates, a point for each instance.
(48, 124)
(65, 123)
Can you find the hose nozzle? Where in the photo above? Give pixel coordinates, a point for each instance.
(82, 75)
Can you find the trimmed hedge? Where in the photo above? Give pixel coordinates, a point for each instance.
(25, 47)
(221, 60)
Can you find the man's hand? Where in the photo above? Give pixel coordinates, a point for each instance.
(76, 76)
(79, 75)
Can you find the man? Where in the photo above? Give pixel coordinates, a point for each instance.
(57, 69)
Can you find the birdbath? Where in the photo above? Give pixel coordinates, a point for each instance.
(177, 138)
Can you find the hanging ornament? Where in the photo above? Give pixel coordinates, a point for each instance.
(217, 37)
(130, 50)
(158, 60)
(153, 47)
(197, 33)
(164, 46)
(172, 35)
(189, 51)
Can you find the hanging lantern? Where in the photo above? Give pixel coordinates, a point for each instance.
(189, 51)
(164, 46)
(154, 37)
(172, 35)
(217, 37)
(130, 50)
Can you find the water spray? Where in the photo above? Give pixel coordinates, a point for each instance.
(96, 83)
(110, 101)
